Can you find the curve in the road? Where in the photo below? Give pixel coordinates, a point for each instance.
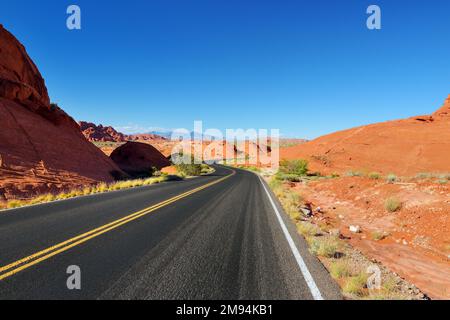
(52, 251)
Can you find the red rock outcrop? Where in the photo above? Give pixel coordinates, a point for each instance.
(444, 112)
(403, 147)
(138, 159)
(146, 137)
(100, 133)
(95, 133)
(41, 147)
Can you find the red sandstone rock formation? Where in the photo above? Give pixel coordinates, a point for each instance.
(41, 147)
(138, 159)
(403, 147)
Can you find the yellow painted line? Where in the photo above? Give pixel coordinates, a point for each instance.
(40, 256)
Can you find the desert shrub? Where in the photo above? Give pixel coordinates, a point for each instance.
(424, 175)
(378, 235)
(391, 178)
(102, 187)
(340, 269)
(293, 198)
(288, 177)
(308, 230)
(324, 247)
(206, 169)
(15, 204)
(357, 285)
(392, 204)
(291, 202)
(275, 183)
(188, 168)
(42, 199)
(374, 175)
(389, 286)
(297, 167)
(353, 173)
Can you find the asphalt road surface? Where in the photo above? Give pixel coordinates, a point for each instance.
(221, 236)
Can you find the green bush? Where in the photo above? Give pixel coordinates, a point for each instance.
(297, 167)
(292, 170)
(357, 285)
(324, 247)
(374, 175)
(189, 168)
(288, 177)
(392, 204)
(340, 269)
(391, 178)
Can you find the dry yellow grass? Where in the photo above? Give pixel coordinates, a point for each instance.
(88, 190)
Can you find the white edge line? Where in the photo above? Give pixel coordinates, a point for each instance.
(301, 263)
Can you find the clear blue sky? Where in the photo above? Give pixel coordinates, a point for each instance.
(305, 67)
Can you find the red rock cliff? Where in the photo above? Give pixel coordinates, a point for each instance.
(41, 147)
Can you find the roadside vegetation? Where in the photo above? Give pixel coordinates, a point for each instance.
(292, 170)
(348, 266)
(345, 264)
(192, 168)
(104, 187)
(87, 190)
(392, 204)
(107, 144)
(251, 168)
(438, 178)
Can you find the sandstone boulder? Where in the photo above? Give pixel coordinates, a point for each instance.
(138, 159)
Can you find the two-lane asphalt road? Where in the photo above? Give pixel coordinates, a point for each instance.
(212, 237)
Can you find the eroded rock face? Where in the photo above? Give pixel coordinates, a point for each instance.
(20, 79)
(41, 147)
(138, 159)
(95, 133)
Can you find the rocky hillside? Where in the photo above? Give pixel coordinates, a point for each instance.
(41, 147)
(146, 137)
(404, 147)
(99, 133)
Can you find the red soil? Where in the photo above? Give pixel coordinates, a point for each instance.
(41, 147)
(418, 236)
(418, 243)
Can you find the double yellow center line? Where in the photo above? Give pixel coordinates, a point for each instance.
(27, 262)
